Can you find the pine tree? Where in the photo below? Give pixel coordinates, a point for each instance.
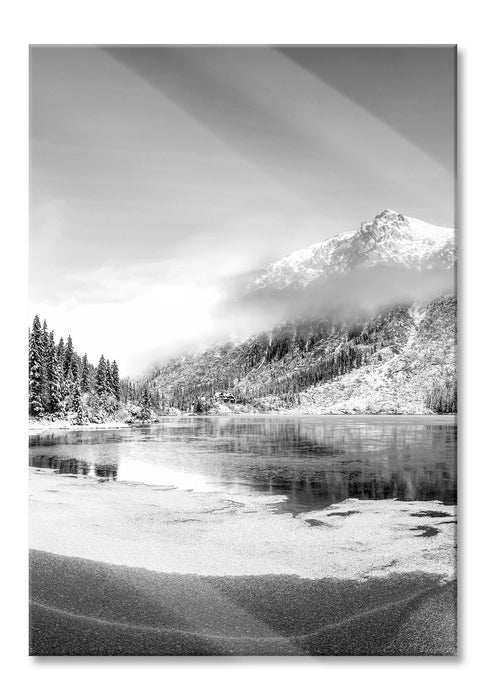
(76, 367)
(53, 376)
(36, 407)
(109, 385)
(61, 350)
(55, 392)
(45, 366)
(45, 336)
(76, 401)
(145, 412)
(85, 374)
(77, 404)
(69, 386)
(68, 356)
(101, 387)
(58, 378)
(81, 416)
(115, 380)
(51, 345)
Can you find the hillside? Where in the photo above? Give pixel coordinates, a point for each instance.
(360, 333)
(401, 360)
(417, 375)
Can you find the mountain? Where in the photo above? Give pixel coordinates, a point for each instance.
(391, 240)
(402, 360)
(366, 324)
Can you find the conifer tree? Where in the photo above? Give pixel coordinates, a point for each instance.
(69, 385)
(77, 404)
(51, 345)
(76, 367)
(76, 401)
(61, 350)
(85, 374)
(101, 386)
(45, 365)
(36, 407)
(81, 416)
(115, 380)
(52, 375)
(58, 377)
(55, 392)
(109, 385)
(145, 412)
(45, 335)
(68, 356)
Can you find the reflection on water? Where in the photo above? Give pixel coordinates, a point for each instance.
(75, 466)
(315, 461)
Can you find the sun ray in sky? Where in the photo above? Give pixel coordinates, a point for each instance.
(158, 174)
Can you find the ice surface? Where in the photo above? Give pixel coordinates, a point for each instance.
(217, 534)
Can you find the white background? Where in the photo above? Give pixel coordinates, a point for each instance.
(364, 22)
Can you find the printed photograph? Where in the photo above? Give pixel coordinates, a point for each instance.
(242, 350)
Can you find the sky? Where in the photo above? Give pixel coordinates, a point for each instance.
(159, 176)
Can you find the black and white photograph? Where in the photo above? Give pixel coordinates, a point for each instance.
(242, 386)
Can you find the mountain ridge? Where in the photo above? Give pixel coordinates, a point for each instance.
(390, 239)
(370, 327)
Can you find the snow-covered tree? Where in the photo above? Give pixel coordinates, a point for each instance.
(101, 379)
(61, 350)
(69, 387)
(69, 359)
(45, 350)
(109, 384)
(85, 374)
(55, 387)
(36, 370)
(76, 397)
(145, 412)
(60, 381)
(115, 380)
(81, 414)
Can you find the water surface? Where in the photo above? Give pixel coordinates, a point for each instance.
(313, 460)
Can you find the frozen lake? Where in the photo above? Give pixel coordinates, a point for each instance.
(313, 460)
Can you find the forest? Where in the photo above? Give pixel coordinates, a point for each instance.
(281, 363)
(271, 370)
(62, 383)
(268, 370)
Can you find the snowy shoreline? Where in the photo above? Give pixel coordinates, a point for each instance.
(48, 427)
(62, 426)
(165, 529)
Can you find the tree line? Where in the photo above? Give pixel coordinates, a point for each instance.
(279, 364)
(287, 361)
(441, 397)
(142, 392)
(62, 382)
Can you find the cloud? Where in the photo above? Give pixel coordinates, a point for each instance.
(163, 176)
(139, 330)
(359, 293)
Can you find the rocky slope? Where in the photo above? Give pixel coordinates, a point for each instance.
(372, 330)
(402, 377)
(401, 360)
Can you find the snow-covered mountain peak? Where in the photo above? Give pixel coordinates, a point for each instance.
(390, 239)
(386, 223)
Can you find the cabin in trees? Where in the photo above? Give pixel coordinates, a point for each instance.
(225, 396)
